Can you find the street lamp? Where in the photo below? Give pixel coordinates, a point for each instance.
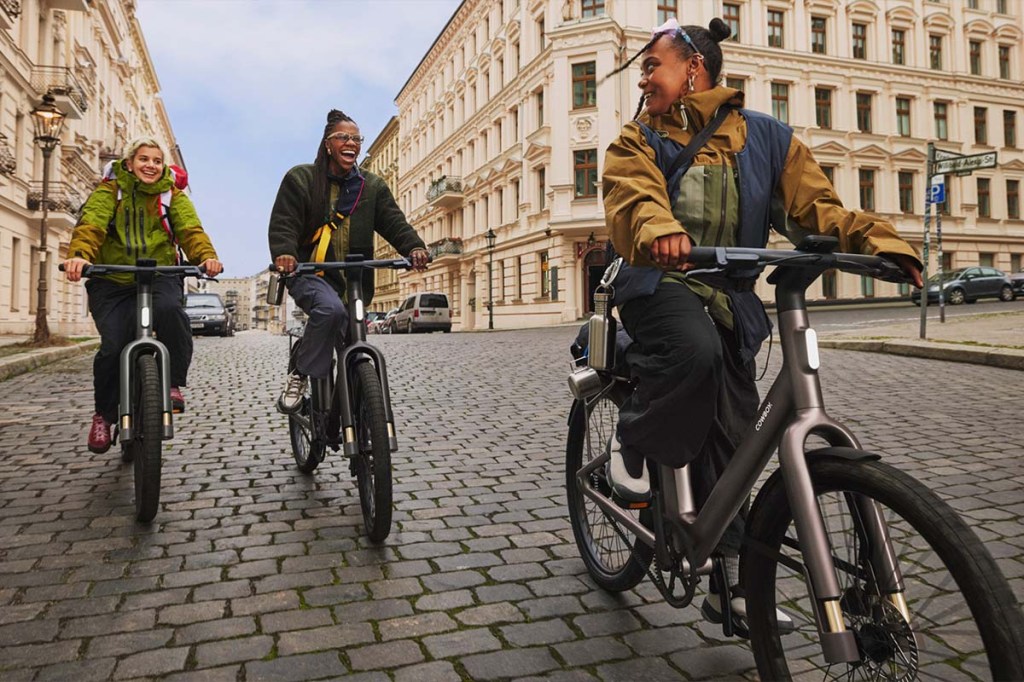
(47, 120)
(490, 237)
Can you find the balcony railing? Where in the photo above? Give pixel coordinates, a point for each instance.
(8, 164)
(59, 81)
(60, 196)
(449, 246)
(445, 191)
(11, 8)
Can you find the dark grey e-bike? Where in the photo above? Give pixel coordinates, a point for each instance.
(145, 415)
(351, 409)
(882, 578)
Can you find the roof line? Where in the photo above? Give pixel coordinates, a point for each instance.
(450, 20)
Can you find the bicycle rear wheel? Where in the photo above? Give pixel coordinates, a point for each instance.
(612, 563)
(147, 446)
(964, 622)
(372, 463)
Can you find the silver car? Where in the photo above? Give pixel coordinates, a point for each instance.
(426, 311)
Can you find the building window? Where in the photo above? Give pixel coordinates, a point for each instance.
(736, 83)
(776, 24)
(731, 17)
(984, 198)
(980, 125)
(545, 277)
(864, 112)
(585, 169)
(828, 284)
(818, 35)
(944, 206)
(667, 9)
(542, 36)
(867, 189)
(1009, 128)
(592, 8)
(903, 116)
(1013, 199)
(867, 286)
(941, 121)
(830, 173)
(935, 51)
(1004, 62)
(540, 108)
(899, 46)
(519, 278)
(584, 85)
(860, 41)
(906, 189)
(541, 188)
(986, 260)
(1001, 6)
(780, 101)
(823, 107)
(972, 4)
(975, 57)
(1015, 262)
(15, 273)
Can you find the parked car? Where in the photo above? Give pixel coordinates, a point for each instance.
(967, 285)
(373, 320)
(426, 311)
(208, 315)
(386, 325)
(1017, 280)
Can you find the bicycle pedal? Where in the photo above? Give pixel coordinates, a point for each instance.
(631, 504)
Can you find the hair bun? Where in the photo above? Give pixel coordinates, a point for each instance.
(719, 30)
(336, 115)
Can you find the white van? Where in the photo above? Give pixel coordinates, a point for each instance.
(424, 312)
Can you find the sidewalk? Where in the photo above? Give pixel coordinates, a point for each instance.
(995, 339)
(29, 359)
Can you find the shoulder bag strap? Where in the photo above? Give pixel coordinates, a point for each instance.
(685, 157)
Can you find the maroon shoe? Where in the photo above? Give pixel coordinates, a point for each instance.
(99, 434)
(177, 400)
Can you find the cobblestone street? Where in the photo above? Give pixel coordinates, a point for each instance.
(254, 571)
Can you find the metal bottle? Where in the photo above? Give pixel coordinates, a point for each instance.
(602, 331)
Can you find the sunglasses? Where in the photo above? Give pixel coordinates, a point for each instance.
(673, 28)
(345, 137)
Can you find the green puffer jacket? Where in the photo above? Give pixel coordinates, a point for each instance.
(118, 233)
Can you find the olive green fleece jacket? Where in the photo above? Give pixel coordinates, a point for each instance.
(294, 221)
(118, 233)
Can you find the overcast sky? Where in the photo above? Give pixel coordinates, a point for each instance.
(248, 84)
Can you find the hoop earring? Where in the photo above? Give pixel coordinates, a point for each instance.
(689, 82)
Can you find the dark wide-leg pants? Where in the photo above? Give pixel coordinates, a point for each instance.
(694, 397)
(113, 308)
(327, 326)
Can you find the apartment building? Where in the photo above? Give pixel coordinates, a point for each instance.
(503, 126)
(382, 160)
(90, 56)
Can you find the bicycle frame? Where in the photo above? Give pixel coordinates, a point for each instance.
(791, 412)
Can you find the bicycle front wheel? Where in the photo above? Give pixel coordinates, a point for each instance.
(964, 622)
(146, 449)
(614, 564)
(308, 444)
(372, 463)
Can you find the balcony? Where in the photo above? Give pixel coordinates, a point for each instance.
(66, 89)
(8, 164)
(445, 192)
(64, 203)
(449, 246)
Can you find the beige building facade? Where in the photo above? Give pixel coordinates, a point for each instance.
(504, 123)
(382, 160)
(90, 56)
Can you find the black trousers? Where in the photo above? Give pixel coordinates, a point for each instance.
(113, 310)
(694, 397)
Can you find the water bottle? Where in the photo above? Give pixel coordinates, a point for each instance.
(602, 331)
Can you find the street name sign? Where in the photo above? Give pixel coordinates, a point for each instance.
(942, 154)
(965, 164)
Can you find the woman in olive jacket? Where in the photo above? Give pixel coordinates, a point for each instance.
(324, 211)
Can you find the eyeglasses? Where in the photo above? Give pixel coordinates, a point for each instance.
(345, 137)
(672, 27)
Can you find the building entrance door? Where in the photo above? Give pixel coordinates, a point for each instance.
(594, 263)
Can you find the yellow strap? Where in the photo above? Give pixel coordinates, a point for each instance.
(322, 237)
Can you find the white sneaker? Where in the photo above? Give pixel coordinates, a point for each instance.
(712, 613)
(625, 486)
(291, 398)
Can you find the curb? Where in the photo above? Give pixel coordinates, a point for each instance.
(30, 360)
(1004, 358)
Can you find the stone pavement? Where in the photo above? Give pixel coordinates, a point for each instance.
(253, 571)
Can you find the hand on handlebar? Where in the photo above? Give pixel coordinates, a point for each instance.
(285, 264)
(671, 251)
(72, 267)
(909, 266)
(212, 267)
(419, 258)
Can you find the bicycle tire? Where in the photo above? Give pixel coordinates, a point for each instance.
(373, 461)
(148, 443)
(308, 446)
(613, 565)
(948, 574)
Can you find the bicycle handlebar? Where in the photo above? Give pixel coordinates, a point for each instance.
(732, 258)
(101, 269)
(312, 268)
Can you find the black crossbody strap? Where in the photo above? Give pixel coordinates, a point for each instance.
(685, 157)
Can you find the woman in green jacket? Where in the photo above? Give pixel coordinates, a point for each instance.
(123, 220)
(324, 211)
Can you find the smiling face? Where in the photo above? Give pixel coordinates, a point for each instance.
(343, 144)
(664, 76)
(147, 164)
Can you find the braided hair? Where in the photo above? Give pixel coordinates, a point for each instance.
(321, 183)
(705, 39)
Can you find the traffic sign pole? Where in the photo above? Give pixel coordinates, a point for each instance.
(925, 239)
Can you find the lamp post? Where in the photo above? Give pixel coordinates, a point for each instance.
(490, 237)
(48, 121)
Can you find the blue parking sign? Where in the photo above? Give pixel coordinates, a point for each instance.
(937, 192)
